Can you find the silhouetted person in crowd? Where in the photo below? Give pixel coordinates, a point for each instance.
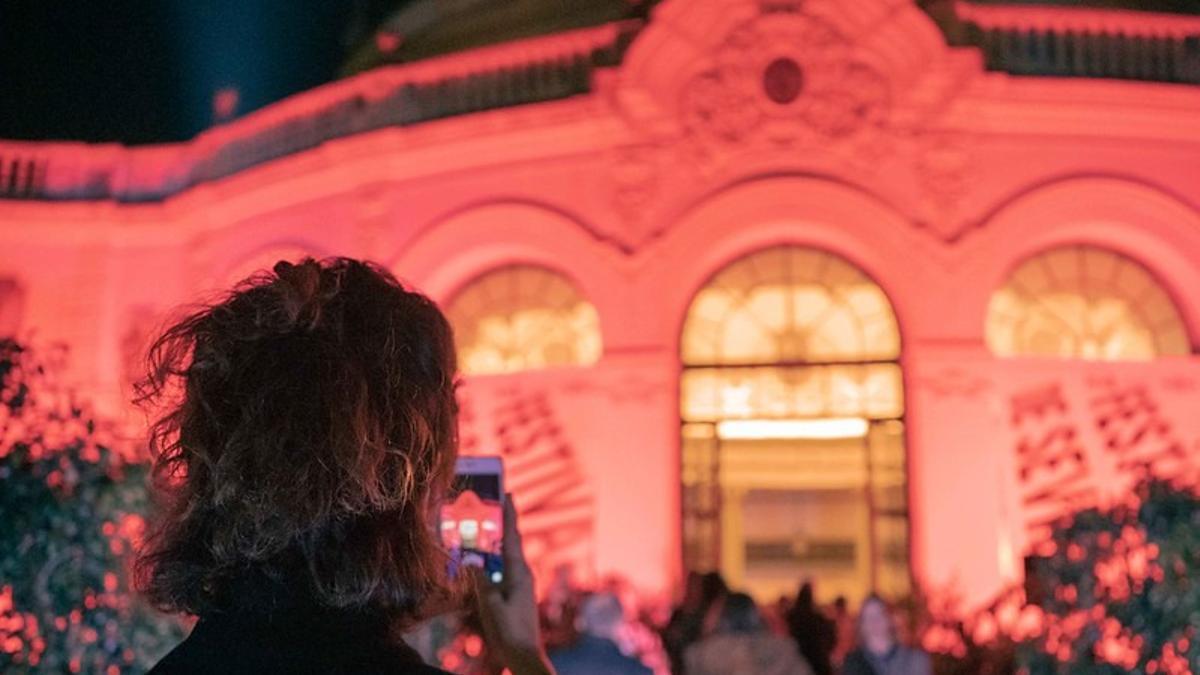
(776, 614)
(595, 651)
(844, 628)
(559, 608)
(694, 617)
(879, 652)
(742, 644)
(814, 633)
(307, 435)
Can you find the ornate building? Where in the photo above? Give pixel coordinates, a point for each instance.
(866, 291)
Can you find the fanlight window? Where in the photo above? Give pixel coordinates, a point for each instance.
(1084, 302)
(823, 332)
(523, 317)
(790, 305)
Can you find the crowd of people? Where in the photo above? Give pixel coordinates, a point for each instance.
(713, 630)
(716, 630)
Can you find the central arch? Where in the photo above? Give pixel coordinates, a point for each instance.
(792, 408)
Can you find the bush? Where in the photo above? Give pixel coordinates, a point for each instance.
(1120, 588)
(1114, 591)
(72, 500)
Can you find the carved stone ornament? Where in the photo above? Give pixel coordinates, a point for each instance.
(944, 168)
(787, 78)
(636, 174)
(787, 86)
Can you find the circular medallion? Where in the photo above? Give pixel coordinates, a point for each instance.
(783, 80)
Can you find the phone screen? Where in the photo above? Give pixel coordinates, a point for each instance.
(472, 517)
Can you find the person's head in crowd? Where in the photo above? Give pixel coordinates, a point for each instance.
(560, 594)
(806, 597)
(712, 588)
(307, 433)
(600, 615)
(740, 615)
(713, 592)
(876, 627)
(840, 606)
(783, 603)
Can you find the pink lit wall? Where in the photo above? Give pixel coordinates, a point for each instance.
(894, 151)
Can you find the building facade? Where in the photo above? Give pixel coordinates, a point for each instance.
(866, 291)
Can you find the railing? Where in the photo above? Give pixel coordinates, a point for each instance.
(1047, 53)
(22, 176)
(1071, 42)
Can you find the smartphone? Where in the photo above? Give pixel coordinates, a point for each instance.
(472, 517)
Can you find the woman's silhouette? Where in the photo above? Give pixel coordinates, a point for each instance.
(307, 433)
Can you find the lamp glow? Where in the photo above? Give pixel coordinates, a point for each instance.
(826, 428)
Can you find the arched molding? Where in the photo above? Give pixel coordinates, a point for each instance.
(459, 247)
(1133, 218)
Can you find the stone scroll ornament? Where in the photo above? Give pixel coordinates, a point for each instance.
(785, 78)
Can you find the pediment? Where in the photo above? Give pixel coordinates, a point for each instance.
(829, 87)
(821, 69)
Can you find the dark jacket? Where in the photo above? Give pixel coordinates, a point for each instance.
(273, 630)
(595, 656)
(900, 661)
(815, 635)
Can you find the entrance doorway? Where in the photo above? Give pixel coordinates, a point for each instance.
(793, 429)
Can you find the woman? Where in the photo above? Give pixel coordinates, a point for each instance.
(879, 652)
(308, 433)
(742, 645)
(694, 616)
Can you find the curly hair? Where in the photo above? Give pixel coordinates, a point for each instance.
(307, 428)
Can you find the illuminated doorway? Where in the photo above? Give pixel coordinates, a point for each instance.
(793, 443)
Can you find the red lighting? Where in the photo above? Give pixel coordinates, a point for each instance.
(387, 42)
(225, 103)
(855, 133)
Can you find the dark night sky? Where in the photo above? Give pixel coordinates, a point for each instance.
(141, 71)
(144, 71)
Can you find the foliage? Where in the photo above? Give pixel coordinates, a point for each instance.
(980, 643)
(1121, 589)
(1113, 591)
(71, 499)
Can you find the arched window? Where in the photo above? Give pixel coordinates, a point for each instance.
(793, 433)
(1084, 302)
(523, 317)
(791, 306)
